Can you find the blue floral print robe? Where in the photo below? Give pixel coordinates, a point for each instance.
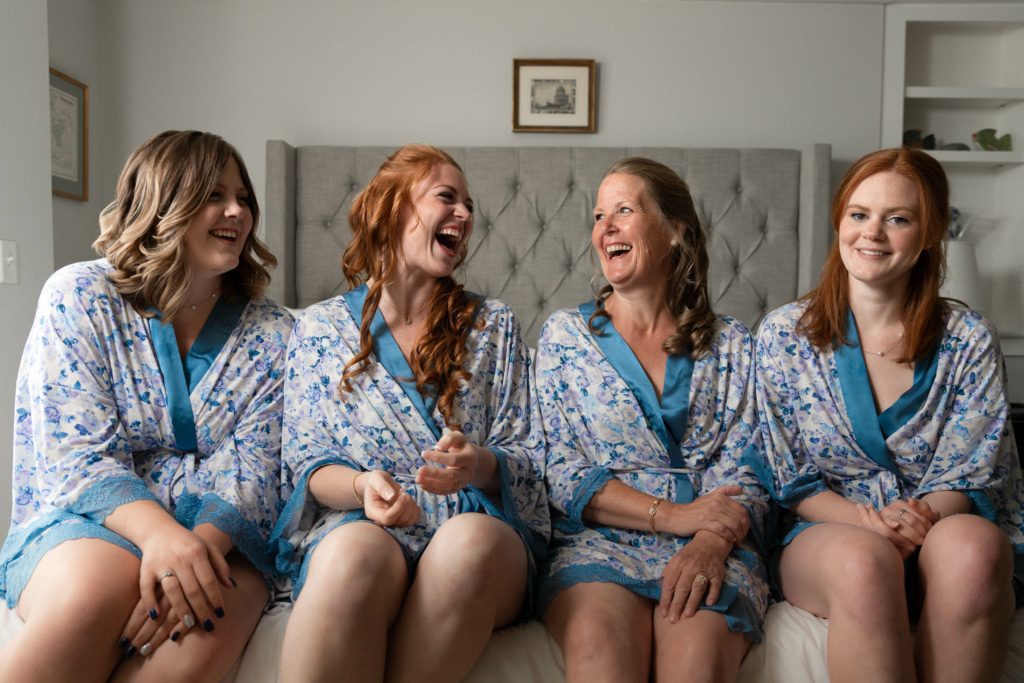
(603, 420)
(384, 423)
(107, 414)
(949, 432)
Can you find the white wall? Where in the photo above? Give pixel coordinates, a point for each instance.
(73, 27)
(395, 71)
(25, 214)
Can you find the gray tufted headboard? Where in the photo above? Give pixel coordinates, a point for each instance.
(765, 210)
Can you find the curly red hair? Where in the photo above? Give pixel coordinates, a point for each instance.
(373, 255)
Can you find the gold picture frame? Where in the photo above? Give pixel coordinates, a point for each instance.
(69, 137)
(554, 96)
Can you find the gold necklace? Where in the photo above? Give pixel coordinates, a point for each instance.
(885, 351)
(195, 306)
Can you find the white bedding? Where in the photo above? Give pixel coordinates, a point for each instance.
(793, 651)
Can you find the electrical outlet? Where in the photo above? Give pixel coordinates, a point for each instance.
(8, 262)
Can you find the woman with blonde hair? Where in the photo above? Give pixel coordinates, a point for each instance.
(411, 451)
(884, 422)
(147, 434)
(647, 409)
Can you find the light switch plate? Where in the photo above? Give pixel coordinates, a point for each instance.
(8, 262)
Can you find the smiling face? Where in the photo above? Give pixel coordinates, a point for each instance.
(880, 231)
(630, 235)
(437, 224)
(217, 233)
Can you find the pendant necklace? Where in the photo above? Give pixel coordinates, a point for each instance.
(195, 306)
(884, 352)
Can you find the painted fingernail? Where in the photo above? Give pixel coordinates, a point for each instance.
(188, 621)
(123, 643)
(219, 612)
(145, 649)
(153, 614)
(208, 625)
(129, 652)
(175, 636)
(233, 582)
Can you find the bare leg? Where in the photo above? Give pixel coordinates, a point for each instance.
(74, 608)
(701, 648)
(604, 631)
(206, 656)
(854, 577)
(965, 564)
(470, 580)
(338, 628)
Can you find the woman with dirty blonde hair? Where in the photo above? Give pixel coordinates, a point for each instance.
(147, 434)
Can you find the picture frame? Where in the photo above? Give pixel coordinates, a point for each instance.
(554, 96)
(69, 137)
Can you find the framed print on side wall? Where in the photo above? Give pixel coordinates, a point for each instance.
(69, 137)
(554, 96)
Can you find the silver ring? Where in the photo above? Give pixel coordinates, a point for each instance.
(188, 621)
(700, 579)
(166, 575)
(903, 512)
(145, 649)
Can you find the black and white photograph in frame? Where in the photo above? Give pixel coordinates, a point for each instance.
(554, 96)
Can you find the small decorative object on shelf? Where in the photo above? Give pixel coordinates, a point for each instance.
(986, 140)
(955, 147)
(912, 138)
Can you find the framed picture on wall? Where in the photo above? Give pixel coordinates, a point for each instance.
(69, 137)
(554, 96)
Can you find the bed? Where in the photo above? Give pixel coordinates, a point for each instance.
(767, 216)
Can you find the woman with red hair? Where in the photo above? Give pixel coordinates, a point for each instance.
(884, 421)
(410, 448)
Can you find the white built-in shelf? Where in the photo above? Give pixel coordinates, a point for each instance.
(970, 96)
(977, 158)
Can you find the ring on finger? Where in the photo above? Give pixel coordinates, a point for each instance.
(700, 579)
(188, 621)
(167, 574)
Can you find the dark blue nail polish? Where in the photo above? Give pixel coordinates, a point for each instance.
(208, 625)
(219, 612)
(123, 643)
(175, 636)
(130, 652)
(153, 614)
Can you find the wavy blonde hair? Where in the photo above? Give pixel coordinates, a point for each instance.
(686, 296)
(374, 254)
(162, 187)
(924, 310)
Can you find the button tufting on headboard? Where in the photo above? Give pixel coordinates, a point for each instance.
(765, 212)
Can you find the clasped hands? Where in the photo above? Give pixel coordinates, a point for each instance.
(904, 522)
(384, 501)
(717, 523)
(180, 580)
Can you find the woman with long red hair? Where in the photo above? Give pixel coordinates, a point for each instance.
(885, 424)
(410, 450)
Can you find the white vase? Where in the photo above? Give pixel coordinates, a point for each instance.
(963, 282)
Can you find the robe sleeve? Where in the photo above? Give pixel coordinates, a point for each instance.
(515, 435)
(790, 473)
(239, 484)
(68, 414)
(572, 477)
(966, 457)
(736, 413)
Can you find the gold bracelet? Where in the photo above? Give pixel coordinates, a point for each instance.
(355, 491)
(652, 512)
